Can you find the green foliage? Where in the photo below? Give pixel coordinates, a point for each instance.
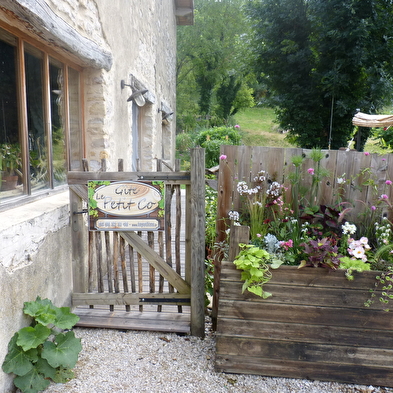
(384, 283)
(255, 264)
(43, 351)
(213, 77)
(91, 188)
(212, 139)
(321, 60)
(353, 265)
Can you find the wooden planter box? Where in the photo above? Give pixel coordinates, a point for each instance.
(315, 326)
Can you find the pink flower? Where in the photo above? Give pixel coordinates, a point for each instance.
(384, 196)
(388, 182)
(223, 157)
(366, 153)
(287, 244)
(373, 208)
(310, 171)
(383, 159)
(259, 235)
(237, 126)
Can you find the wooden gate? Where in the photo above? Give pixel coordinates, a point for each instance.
(143, 280)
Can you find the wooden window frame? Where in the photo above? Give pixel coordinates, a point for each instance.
(48, 52)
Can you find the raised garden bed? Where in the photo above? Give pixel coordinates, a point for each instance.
(314, 326)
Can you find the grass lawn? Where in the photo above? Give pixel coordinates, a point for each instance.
(259, 129)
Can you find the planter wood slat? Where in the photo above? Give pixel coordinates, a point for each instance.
(314, 326)
(284, 331)
(346, 373)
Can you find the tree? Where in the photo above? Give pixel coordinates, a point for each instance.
(212, 61)
(322, 60)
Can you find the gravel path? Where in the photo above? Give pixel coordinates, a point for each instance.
(146, 362)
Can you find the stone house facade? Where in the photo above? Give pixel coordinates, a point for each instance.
(79, 79)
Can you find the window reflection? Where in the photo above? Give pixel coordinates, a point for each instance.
(10, 155)
(38, 151)
(58, 139)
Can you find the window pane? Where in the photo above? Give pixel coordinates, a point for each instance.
(35, 120)
(10, 157)
(75, 121)
(57, 114)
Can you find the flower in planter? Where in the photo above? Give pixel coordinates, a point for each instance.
(358, 248)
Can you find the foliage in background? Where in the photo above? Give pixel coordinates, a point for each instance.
(44, 351)
(213, 77)
(210, 139)
(322, 60)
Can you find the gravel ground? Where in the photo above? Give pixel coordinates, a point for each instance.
(149, 362)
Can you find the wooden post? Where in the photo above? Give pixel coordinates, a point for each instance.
(238, 234)
(79, 235)
(198, 242)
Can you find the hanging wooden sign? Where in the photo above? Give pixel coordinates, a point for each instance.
(126, 205)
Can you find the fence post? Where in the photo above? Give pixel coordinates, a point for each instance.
(238, 234)
(198, 242)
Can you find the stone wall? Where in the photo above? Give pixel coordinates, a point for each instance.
(35, 260)
(141, 37)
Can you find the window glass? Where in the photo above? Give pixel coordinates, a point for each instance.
(38, 146)
(57, 115)
(40, 109)
(74, 120)
(10, 156)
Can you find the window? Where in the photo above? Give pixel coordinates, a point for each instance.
(40, 119)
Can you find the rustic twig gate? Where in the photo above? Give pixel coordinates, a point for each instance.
(144, 269)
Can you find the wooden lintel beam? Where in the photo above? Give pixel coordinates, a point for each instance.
(79, 177)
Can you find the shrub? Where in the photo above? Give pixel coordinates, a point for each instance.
(212, 139)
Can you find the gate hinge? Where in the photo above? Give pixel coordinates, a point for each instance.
(81, 212)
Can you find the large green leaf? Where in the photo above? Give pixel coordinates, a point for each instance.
(18, 361)
(42, 310)
(31, 337)
(32, 382)
(65, 319)
(64, 352)
(44, 368)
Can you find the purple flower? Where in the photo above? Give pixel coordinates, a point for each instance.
(383, 159)
(366, 153)
(384, 196)
(373, 208)
(388, 182)
(310, 171)
(237, 126)
(223, 157)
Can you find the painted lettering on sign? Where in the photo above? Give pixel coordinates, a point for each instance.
(126, 205)
(127, 198)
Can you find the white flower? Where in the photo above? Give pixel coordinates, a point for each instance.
(233, 215)
(348, 229)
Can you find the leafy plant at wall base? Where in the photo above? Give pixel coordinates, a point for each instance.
(46, 350)
(255, 265)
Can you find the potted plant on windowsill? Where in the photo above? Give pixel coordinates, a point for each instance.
(10, 162)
